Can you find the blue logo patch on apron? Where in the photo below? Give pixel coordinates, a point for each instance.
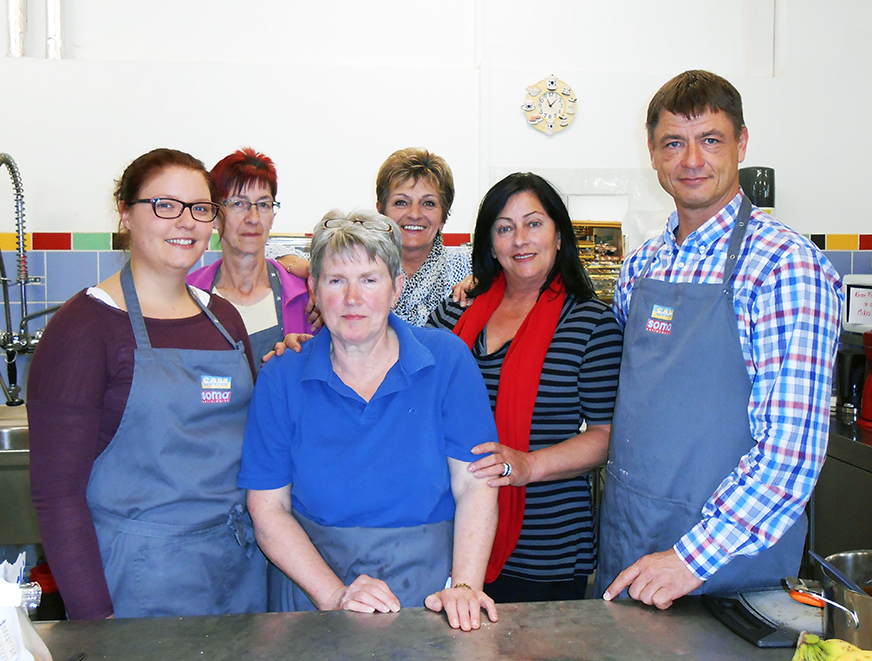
(660, 321)
(216, 389)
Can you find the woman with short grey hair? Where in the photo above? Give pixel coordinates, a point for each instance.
(338, 233)
(357, 449)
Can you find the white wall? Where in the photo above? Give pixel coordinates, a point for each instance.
(329, 90)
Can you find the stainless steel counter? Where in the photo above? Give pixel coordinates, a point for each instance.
(594, 629)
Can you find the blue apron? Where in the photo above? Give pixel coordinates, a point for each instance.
(174, 535)
(680, 427)
(264, 341)
(414, 561)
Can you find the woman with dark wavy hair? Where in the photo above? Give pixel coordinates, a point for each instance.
(549, 352)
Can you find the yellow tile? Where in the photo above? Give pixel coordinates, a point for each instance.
(9, 241)
(843, 241)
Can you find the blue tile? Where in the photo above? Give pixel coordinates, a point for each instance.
(10, 264)
(109, 262)
(862, 262)
(36, 263)
(68, 272)
(840, 259)
(211, 256)
(15, 311)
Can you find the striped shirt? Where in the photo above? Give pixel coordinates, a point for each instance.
(787, 299)
(578, 385)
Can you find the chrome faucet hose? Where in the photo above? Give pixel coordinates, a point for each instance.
(20, 239)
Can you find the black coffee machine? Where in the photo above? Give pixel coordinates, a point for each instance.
(850, 376)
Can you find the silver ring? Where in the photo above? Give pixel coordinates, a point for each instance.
(507, 470)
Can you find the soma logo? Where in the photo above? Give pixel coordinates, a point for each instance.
(216, 396)
(658, 326)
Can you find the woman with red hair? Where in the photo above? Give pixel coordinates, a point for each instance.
(271, 301)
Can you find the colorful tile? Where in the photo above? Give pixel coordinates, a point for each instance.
(866, 242)
(455, 239)
(820, 240)
(52, 241)
(843, 241)
(9, 241)
(92, 241)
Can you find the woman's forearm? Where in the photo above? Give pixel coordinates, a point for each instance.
(475, 523)
(287, 545)
(575, 456)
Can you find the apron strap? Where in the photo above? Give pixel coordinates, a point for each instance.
(736, 239)
(275, 282)
(152, 529)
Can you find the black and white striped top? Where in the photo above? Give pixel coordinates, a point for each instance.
(578, 385)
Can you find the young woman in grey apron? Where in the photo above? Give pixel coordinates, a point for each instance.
(172, 527)
(680, 427)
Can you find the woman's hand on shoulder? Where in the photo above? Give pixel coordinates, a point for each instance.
(462, 606)
(365, 595)
(459, 291)
(493, 467)
(292, 341)
(313, 313)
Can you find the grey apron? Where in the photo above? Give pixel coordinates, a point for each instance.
(414, 561)
(264, 341)
(174, 535)
(680, 427)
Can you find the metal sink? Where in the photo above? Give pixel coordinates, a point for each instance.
(17, 516)
(14, 439)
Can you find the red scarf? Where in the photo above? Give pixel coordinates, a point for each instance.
(516, 394)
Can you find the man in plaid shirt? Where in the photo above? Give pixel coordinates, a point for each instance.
(731, 323)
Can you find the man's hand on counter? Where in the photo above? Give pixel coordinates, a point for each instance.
(657, 579)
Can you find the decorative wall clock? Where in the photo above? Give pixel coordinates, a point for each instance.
(550, 105)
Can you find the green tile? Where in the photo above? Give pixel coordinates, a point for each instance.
(214, 242)
(92, 241)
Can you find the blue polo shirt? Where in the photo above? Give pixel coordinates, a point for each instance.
(381, 463)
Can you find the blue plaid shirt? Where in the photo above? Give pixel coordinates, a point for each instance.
(788, 300)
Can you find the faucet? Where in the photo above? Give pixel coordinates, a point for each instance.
(22, 342)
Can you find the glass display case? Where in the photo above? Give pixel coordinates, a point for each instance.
(601, 249)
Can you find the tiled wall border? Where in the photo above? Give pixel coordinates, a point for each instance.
(66, 262)
(109, 240)
(106, 241)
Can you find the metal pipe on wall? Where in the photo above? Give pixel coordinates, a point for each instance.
(16, 11)
(54, 37)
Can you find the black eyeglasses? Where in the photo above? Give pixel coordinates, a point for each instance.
(168, 208)
(374, 224)
(264, 207)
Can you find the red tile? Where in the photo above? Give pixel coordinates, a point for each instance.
(455, 239)
(52, 241)
(866, 242)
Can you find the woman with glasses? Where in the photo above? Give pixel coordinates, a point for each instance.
(271, 300)
(138, 394)
(357, 449)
